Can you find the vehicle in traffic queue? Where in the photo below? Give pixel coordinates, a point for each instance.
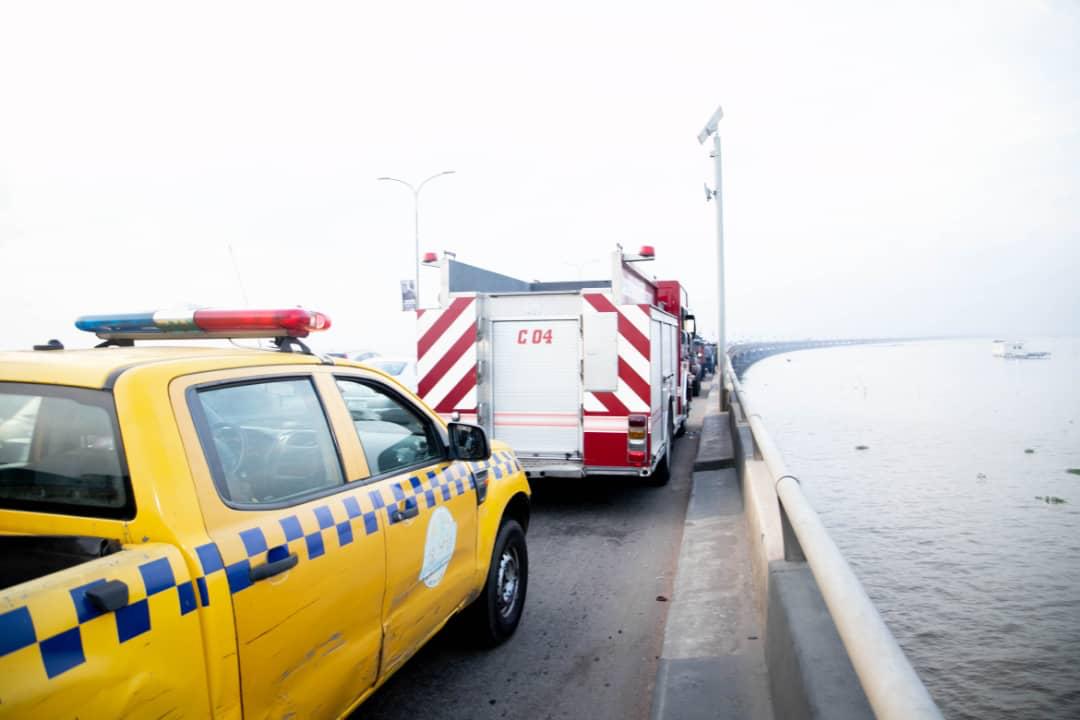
(227, 532)
(698, 365)
(710, 358)
(582, 378)
(400, 367)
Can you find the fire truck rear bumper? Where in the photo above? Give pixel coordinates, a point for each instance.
(543, 467)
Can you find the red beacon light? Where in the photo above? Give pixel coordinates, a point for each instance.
(647, 252)
(430, 257)
(295, 322)
(167, 325)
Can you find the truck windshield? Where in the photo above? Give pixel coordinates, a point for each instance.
(60, 452)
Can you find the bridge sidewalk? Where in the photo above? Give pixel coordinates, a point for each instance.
(713, 660)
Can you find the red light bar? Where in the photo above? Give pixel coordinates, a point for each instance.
(647, 251)
(296, 322)
(430, 257)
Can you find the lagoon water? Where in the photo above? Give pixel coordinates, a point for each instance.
(944, 516)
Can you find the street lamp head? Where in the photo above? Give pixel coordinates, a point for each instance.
(710, 127)
(417, 187)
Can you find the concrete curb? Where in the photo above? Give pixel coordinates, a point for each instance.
(713, 659)
(715, 451)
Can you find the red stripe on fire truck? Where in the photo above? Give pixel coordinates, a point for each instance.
(446, 356)
(633, 394)
(444, 363)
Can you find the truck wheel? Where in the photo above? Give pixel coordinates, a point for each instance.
(493, 617)
(681, 430)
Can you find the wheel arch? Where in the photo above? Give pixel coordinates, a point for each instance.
(517, 508)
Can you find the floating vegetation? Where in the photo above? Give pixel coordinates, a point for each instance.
(1029, 451)
(862, 447)
(1073, 471)
(1051, 499)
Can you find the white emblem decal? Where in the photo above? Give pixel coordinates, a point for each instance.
(439, 546)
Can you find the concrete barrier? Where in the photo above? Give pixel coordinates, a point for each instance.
(810, 674)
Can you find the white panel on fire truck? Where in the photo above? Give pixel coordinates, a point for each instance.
(669, 350)
(536, 386)
(656, 373)
(529, 305)
(601, 334)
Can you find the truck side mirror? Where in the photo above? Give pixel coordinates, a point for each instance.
(468, 442)
(690, 324)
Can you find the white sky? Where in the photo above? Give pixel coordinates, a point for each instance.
(909, 168)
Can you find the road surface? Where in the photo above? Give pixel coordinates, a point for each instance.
(602, 556)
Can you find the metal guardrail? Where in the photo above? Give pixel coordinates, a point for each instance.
(891, 684)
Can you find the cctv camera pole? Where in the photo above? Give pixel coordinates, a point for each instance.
(717, 194)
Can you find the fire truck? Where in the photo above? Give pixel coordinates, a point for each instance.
(580, 378)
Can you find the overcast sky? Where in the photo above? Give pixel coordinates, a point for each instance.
(910, 168)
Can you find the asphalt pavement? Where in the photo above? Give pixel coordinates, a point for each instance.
(602, 562)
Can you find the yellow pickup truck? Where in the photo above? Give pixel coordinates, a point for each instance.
(225, 532)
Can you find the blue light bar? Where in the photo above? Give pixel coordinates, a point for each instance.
(123, 323)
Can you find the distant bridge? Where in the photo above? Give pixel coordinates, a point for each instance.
(743, 355)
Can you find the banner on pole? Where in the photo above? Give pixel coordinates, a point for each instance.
(408, 295)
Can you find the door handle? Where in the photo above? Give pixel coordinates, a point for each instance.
(261, 572)
(108, 596)
(405, 509)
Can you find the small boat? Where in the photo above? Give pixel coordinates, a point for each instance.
(1014, 350)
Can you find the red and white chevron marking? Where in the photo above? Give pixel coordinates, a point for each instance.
(446, 356)
(633, 394)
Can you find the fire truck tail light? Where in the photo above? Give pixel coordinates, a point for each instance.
(637, 439)
(637, 425)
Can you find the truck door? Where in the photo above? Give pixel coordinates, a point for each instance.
(298, 546)
(429, 506)
(536, 386)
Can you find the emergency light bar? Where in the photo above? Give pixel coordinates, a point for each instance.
(166, 324)
(647, 252)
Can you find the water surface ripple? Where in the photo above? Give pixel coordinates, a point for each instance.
(978, 579)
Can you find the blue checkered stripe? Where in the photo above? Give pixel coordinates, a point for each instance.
(63, 651)
(365, 510)
(502, 464)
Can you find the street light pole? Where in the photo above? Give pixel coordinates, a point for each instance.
(416, 222)
(711, 128)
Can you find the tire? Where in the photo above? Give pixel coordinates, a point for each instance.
(681, 430)
(492, 619)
